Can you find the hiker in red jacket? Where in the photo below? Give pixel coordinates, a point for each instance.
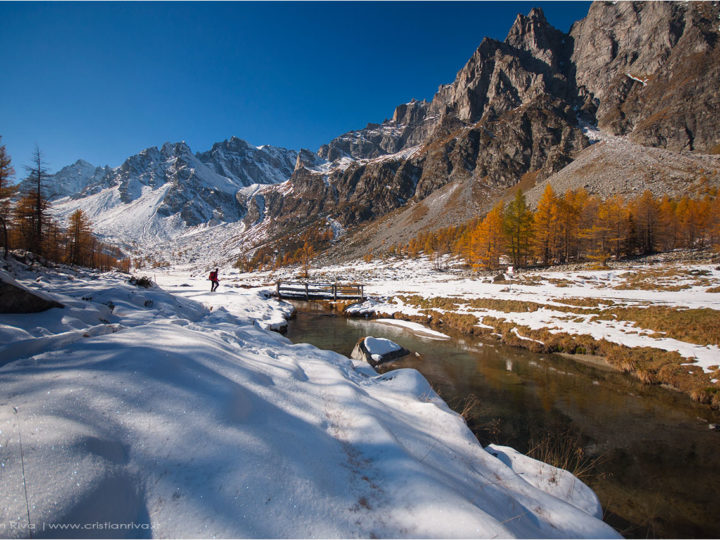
(214, 279)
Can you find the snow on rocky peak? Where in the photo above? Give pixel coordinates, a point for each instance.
(71, 180)
(157, 194)
(246, 164)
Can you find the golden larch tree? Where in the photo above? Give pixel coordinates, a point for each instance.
(488, 240)
(546, 224)
(80, 239)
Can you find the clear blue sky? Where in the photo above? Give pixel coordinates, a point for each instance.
(102, 81)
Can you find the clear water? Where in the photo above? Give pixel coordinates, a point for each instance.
(659, 474)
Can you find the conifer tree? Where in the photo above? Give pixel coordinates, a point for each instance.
(545, 226)
(488, 241)
(668, 223)
(714, 225)
(517, 225)
(617, 222)
(6, 191)
(36, 203)
(80, 239)
(570, 208)
(645, 213)
(307, 252)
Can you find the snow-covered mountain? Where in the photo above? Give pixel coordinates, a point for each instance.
(517, 109)
(71, 180)
(155, 195)
(246, 164)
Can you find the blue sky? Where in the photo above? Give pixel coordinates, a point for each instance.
(102, 81)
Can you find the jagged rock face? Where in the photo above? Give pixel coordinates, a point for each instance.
(649, 70)
(539, 136)
(533, 34)
(190, 189)
(506, 113)
(247, 165)
(409, 126)
(501, 76)
(70, 181)
(307, 158)
(358, 193)
(372, 190)
(653, 70)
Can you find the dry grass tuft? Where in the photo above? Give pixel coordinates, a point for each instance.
(700, 326)
(587, 302)
(665, 279)
(650, 365)
(565, 451)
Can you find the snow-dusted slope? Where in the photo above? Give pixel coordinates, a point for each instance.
(138, 409)
(157, 195)
(154, 195)
(70, 181)
(246, 164)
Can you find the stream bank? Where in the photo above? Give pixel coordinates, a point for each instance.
(656, 465)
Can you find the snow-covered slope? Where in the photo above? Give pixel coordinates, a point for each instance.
(246, 164)
(157, 195)
(70, 181)
(183, 417)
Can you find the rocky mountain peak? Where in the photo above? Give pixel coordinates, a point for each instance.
(246, 164)
(174, 149)
(533, 33)
(410, 113)
(306, 159)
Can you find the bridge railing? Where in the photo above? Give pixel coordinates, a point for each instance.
(317, 291)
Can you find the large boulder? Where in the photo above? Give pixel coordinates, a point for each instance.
(16, 298)
(376, 351)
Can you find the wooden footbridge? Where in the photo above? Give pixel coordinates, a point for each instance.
(319, 291)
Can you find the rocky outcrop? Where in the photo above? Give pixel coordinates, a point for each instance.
(376, 351)
(16, 298)
(409, 126)
(652, 71)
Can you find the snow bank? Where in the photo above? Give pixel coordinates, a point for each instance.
(192, 420)
(551, 288)
(416, 328)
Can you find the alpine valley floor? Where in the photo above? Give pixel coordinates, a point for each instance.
(136, 411)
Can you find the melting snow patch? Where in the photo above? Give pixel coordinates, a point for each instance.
(414, 327)
(641, 81)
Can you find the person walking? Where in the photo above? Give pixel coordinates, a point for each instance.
(214, 279)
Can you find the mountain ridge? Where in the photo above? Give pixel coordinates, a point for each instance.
(518, 106)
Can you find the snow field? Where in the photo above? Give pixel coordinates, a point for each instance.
(386, 280)
(189, 418)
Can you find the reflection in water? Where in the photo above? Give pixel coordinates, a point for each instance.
(661, 467)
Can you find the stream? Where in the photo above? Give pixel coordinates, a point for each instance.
(655, 462)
